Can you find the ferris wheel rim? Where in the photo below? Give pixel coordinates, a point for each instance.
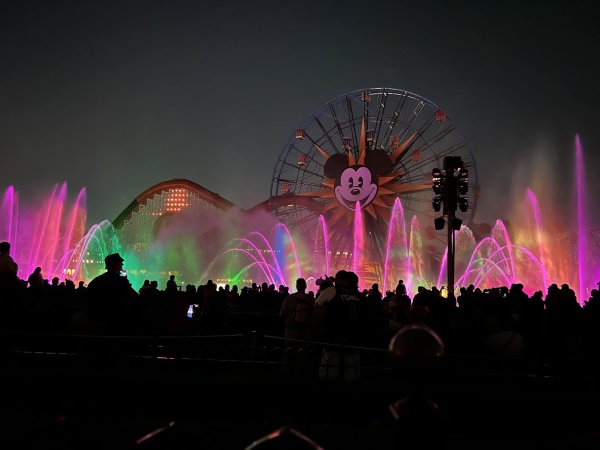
(304, 179)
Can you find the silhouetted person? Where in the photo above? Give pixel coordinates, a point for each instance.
(296, 313)
(144, 286)
(171, 285)
(344, 312)
(110, 298)
(36, 280)
(374, 297)
(233, 298)
(401, 288)
(347, 313)
(8, 269)
(213, 310)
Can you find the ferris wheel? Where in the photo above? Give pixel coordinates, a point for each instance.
(387, 139)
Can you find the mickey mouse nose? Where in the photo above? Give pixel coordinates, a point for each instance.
(355, 191)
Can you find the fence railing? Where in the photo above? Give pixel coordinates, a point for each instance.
(271, 354)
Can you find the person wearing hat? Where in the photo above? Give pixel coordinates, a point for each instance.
(323, 284)
(110, 299)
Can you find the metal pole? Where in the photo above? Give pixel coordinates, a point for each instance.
(450, 259)
(451, 164)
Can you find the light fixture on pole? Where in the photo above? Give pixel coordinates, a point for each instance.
(450, 187)
(439, 223)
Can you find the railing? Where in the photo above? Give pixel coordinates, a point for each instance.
(271, 355)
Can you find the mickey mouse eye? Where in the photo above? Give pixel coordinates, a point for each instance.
(350, 182)
(360, 181)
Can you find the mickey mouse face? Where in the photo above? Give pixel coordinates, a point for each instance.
(355, 185)
(357, 182)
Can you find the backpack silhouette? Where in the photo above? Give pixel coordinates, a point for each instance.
(300, 312)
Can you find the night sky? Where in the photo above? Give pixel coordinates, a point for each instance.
(119, 96)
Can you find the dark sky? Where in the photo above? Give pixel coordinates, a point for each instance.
(118, 96)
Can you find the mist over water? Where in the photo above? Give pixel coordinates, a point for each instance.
(541, 238)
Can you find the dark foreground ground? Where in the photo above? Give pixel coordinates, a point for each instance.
(113, 403)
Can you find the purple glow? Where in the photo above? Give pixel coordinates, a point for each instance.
(10, 208)
(269, 248)
(494, 264)
(271, 278)
(397, 259)
(532, 198)
(415, 256)
(44, 234)
(534, 249)
(291, 241)
(359, 244)
(325, 242)
(443, 268)
(500, 233)
(265, 267)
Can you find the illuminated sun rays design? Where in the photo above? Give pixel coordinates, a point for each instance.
(388, 187)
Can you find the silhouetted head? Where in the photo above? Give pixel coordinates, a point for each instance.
(4, 247)
(113, 261)
(353, 278)
(301, 285)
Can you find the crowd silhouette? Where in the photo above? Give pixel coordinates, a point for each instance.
(502, 320)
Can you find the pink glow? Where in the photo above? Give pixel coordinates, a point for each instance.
(43, 234)
(532, 198)
(397, 262)
(415, 254)
(261, 258)
(500, 234)
(75, 228)
(10, 217)
(534, 249)
(493, 264)
(323, 225)
(265, 267)
(359, 243)
(443, 268)
(269, 248)
(40, 230)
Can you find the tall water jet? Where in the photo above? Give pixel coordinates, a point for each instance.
(537, 227)
(322, 247)
(275, 267)
(397, 263)
(89, 252)
(359, 241)
(9, 218)
(288, 259)
(415, 255)
(582, 222)
(191, 241)
(252, 254)
(43, 234)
